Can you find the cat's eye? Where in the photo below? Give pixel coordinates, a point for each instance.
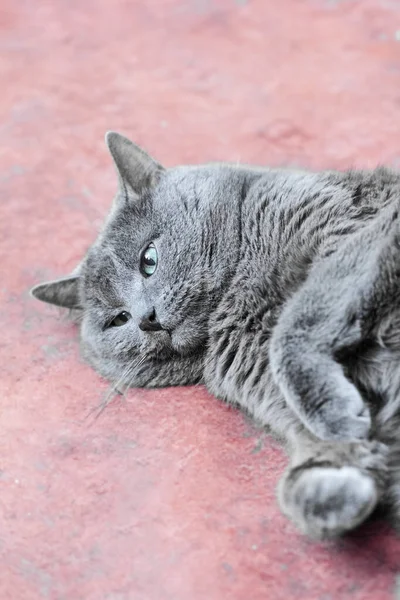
(120, 319)
(148, 260)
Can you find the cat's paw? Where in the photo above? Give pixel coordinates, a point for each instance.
(344, 417)
(326, 502)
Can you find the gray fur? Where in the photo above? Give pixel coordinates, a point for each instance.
(279, 290)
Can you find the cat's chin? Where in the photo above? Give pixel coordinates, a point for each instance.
(184, 345)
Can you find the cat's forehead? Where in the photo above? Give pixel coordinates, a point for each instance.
(181, 192)
(167, 210)
(181, 189)
(102, 270)
(108, 279)
(100, 260)
(125, 232)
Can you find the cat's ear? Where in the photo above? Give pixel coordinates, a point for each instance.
(137, 170)
(60, 292)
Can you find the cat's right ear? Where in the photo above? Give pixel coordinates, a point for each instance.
(137, 171)
(60, 292)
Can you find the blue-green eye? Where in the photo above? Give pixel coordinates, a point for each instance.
(148, 260)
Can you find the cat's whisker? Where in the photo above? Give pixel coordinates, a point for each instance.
(114, 388)
(127, 384)
(105, 401)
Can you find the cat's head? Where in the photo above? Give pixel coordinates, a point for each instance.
(150, 281)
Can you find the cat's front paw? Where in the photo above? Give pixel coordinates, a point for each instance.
(344, 417)
(326, 502)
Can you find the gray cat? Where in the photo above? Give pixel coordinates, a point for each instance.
(279, 290)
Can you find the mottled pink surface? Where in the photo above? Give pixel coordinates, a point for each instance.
(169, 495)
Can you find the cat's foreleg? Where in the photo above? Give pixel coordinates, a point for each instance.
(347, 292)
(325, 317)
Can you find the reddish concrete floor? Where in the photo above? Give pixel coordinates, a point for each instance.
(170, 495)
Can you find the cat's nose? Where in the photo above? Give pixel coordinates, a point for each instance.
(149, 322)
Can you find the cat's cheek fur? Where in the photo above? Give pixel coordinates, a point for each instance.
(96, 350)
(189, 336)
(107, 368)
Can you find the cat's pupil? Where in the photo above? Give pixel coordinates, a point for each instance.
(120, 319)
(148, 263)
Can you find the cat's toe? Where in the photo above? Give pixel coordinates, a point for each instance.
(345, 418)
(326, 502)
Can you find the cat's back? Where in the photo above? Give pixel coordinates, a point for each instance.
(290, 217)
(291, 206)
(353, 194)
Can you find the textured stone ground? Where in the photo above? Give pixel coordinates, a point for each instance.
(170, 495)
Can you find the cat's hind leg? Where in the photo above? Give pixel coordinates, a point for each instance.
(330, 488)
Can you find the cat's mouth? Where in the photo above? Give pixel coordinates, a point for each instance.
(157, 344)
(180, 341)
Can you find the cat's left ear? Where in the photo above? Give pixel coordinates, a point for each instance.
(60, 292)
(137, 170)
